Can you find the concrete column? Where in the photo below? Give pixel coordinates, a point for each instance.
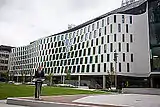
(79, 80)
(63, 78)
(151, 82)
(104, 81)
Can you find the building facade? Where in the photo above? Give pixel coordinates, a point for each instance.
(4, 57)
(118, 41)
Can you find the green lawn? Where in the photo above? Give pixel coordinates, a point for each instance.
(10, 90)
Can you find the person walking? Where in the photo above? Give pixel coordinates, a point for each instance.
(39, 76)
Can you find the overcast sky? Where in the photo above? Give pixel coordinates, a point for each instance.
(23, 21)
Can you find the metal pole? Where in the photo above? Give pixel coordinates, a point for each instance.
(115, 59)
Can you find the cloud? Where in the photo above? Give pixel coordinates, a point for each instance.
(23, 21)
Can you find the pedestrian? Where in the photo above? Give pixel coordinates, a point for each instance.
(39, 75)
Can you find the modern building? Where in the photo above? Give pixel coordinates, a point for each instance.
(4, 57)
(125, 40)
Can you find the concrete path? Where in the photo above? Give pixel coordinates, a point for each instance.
(3, 104)
(124, 100)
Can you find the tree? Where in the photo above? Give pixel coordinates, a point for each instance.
(111, 75)
(31, 74)
(68, 76)
(49, 78)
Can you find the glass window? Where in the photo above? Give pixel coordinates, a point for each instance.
(97, 25)
(114, 37)
(127, 47)
(111, 28)
(111, 47)
(93, 67)
(84, 52)
(96, 59)
(108, 58)
(86, 59)
(119, 67)
(102, 40)
(124, 57)
(88, 28)
(90, 59)
(100, 32)
(90, 35)
(97, 41)
(119, 27)
(102, 22)
(107, 38)
(107, 20)
(127, 67)
(105, 30)
(126, 28)
(91, 42)
(114, 18)
(123, 39)
(95, 33)
(111, 67)
(130, 19)
(83, 68)
(101, 58)
(119, 44)
(87, 68)
(99, 50)
(131, 57)
(99, 69)
(123, 19)
(93, 26)
(105, 67)
(131, 38)
(89, 51)
(105, 48)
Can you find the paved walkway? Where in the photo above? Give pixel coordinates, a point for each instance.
(124, 100)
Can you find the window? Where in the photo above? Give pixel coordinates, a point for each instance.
(119, 27)
(91, 42)
(96, 59)
(95, 33)
(131, 57)
(123, 19)
(126, 28)
(88, 28)
(97, 41)
(105, 48)
(107, 38)
(107, 20)
(86, 60)
(94, 50)
(111, 28)
(99, 49)
(105, 67)
(100, 32)
(105, 30)
(87, 68)
(87, 44)
(93, 68)
(80, 53)
(90, 35)
(102, 40)
(130, 19)
(119, 67)
(102, 22)
(101, 58)
(124, 57)
(97, 25)
(78, 68)
(131, 38)
(99, 68)
(84, 52)
(111, 47)
(119, 44)
(111, 67)
(93, 26)
(90, 59)
(123, 39)
(81, 60)
(114, 18)
(114, 37)
(108, 58)
(127, 47)
(89, 51)
(127, 67)
(77, 60)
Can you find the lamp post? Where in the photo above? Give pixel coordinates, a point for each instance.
(115, 60)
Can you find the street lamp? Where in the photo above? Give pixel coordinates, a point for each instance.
(115, 60)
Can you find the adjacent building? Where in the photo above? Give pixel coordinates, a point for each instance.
(4, 57)
(124, 42)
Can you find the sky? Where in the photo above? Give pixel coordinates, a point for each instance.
(24, 21)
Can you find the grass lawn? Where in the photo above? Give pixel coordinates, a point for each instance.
(10, 90)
